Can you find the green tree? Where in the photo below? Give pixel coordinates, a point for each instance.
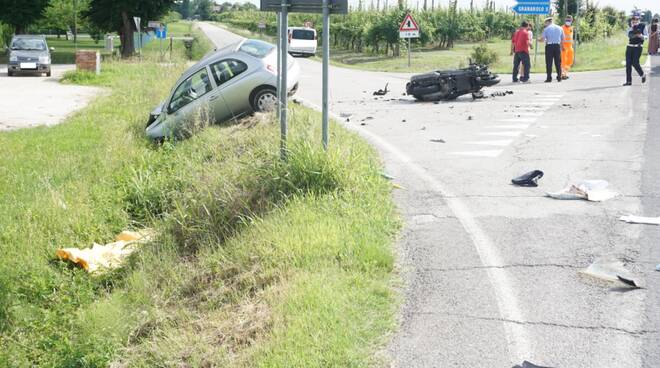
(62, 15)
(203, 9)
(567, 7)
(185, 8)
(21, 13)
(117, 16)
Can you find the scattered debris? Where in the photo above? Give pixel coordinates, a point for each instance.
(501, 93)
(591, 190)
(363, 124)
(106, 257)
(477, 95)
(381, 92)
(529, 179)
(470, 117)
(629, 282)
(613, 271)
(567, 105)
(387, 176)
(423, 128)
(403, 121)
(345, 114)
(367, 118)
(632, 219)
(397, 186)
(438, 141)
(527, 364)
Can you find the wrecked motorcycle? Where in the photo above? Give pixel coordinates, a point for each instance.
(449, 84)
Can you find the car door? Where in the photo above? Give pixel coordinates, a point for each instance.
(228, 74)
(191, 103)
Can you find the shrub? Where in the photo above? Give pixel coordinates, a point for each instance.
(483, 55)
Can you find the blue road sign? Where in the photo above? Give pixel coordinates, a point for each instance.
(533, 1)
(532, 8)
(161, 32)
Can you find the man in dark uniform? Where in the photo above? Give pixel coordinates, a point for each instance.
(636, 35)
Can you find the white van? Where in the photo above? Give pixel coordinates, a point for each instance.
(302, 41)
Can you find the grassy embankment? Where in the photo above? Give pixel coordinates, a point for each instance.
(258, 262)
(599, 55)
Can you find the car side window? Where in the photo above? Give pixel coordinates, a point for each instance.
(194, 87)
(225, 70)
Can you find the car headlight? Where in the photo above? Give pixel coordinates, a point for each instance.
(13, 58)
(44, 59)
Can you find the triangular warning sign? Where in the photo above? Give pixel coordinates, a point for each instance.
(408, 24)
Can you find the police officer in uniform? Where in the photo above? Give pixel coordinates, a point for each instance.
(636, 35)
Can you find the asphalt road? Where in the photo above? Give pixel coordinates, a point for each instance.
(492, 270)
(32, 100)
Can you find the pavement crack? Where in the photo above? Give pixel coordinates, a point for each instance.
(637, 333)
(513, 265)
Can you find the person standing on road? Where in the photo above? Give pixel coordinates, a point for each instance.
(553, 36)
(520, 49)
(567, 53)
(654, 37)
(636, 35)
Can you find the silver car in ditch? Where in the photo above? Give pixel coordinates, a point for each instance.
(29, 54)
(224, 85)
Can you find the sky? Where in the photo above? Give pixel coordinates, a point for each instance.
(627, 5)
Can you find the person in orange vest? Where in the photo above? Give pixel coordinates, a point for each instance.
(567, 53)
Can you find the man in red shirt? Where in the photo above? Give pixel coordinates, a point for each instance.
(520, 49)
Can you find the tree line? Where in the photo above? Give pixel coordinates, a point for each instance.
(377, 31)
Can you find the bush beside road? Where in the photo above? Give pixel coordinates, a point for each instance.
(257, 262)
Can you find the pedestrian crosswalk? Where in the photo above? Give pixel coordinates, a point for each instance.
(520, 117)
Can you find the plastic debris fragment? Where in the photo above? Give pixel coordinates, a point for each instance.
(632, 219)
(591, 190)
(106, 257)
(529, 179)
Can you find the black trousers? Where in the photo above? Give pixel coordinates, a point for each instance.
(632, 61)
(553, 55)
(521, 57)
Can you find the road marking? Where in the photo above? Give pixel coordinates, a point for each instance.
(484, 153)
(511, 126)
(518, 120)
(499, 142)
(518, 341)
(503, 134)
(529, 113)
(536, 103)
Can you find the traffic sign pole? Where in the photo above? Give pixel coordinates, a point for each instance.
(409, 50)
(326, 58)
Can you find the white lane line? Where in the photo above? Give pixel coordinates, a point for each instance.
(485, 153)
(518, 340)
(499, 142)
(502, 134)
(532, 108)
(511, 126)
(529, 113)
(553, 96)
(536, 103)
(517, 120)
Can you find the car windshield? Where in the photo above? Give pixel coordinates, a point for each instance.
(258, 49)
(302, 34)
(32, 44)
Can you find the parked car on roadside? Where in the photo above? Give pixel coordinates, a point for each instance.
(226, 84)
(302, 41)
(29, 54)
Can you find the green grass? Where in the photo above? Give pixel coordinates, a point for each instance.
(65, 51)
(598, 55)
(258, 262)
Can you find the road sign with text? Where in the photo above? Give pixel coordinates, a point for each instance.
(408, 28)
(538, 7)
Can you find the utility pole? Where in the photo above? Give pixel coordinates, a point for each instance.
(75, 25)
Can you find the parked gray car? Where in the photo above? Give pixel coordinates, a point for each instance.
(226, 84)
(29, 54)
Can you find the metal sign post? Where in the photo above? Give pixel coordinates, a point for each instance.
(326, 58)
(283, 7)
(409, 29)
(284, 43)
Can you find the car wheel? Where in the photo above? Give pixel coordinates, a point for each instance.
(48, 73)
(9, 74)
(264, 100)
